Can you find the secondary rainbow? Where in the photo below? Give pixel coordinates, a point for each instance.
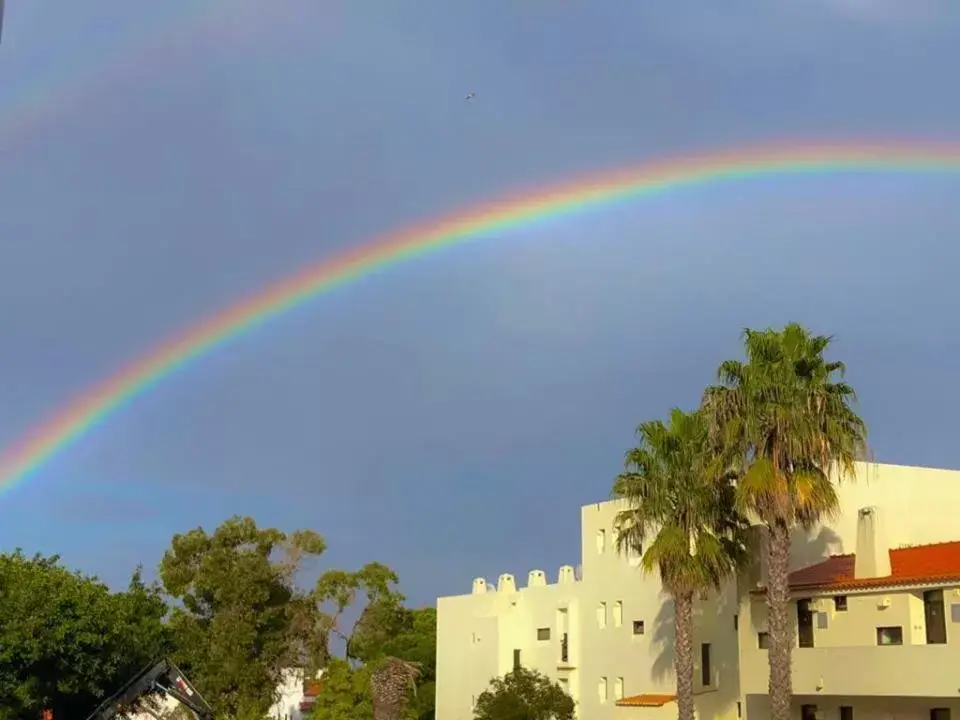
(26, 456)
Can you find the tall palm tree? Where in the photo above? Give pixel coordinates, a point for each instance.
(788, 413)
(678, 492)
(389, 685)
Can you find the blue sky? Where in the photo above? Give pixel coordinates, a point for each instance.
(449, 416)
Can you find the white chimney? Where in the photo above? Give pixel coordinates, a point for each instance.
(873, 551)
(536, 578)
(506, 584)
(566, 575)
(479, 586)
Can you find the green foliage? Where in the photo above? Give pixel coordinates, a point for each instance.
(241, 621)
(385, 628)
(524, 695)
(345, 694)
(66, 641)
(788, 413)
(679, 491)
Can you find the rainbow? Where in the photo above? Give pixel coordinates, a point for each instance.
(26, 456)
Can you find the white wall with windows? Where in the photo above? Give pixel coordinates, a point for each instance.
(606, 634)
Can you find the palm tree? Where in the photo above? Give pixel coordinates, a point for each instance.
(678, 491)
(787, 413)
(389, 685)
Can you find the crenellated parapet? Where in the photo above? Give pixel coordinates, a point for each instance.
(506, 583)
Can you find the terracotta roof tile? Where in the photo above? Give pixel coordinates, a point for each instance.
(646, 700)
(918, 565)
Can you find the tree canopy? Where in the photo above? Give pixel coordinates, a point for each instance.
(385, 628)
(524, 695)
(239, 619)
(66, 641)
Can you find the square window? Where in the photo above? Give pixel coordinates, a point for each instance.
(840, 603)
(889, 636)
(940, 714)
(846, 712)
(763, 640)
(638, 627)
(543, 633)
(955, 612)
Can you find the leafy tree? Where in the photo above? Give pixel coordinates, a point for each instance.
(385, 628)
(344, 694)
(240, 620)
(524, 695)
(788, 413)
(679, 493)
(66, 641)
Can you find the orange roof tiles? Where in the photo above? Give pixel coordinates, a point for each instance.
(646, 700)
(919, 565)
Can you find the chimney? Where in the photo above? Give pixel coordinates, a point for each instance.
(873, 552)
(506, 584)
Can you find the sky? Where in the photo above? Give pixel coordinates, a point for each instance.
(450, 415)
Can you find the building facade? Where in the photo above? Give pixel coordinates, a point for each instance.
(603, 632)
(876, 619)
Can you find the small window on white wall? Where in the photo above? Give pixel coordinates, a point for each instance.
(602, 690)
(618, 689)
(601, 541)
(617, 613)
(602, 615)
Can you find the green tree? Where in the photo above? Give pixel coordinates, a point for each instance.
(344, 694)
(66, 641)
(385, 628)
(524, 695)
(679, 495)
(787, 412)
(240, 620)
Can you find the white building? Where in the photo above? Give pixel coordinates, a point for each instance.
(606, 636)
(605, 633)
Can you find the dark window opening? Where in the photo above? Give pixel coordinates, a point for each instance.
(706, 677)
(935, 617)
(840, 604)
(564, 649)
(940, 714)
(543, 633)
(739, 709)
(846, 712)
(638, 627)
(763, 640)
(805, 624)
(808, 712)
(516, 659)
(889, 636)
(736, 622)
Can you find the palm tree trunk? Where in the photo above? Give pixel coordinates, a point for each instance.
(683, 654)
(385, 711)
(778, 621)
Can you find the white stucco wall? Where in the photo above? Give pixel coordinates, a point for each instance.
(917, 506)
(478, 633)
